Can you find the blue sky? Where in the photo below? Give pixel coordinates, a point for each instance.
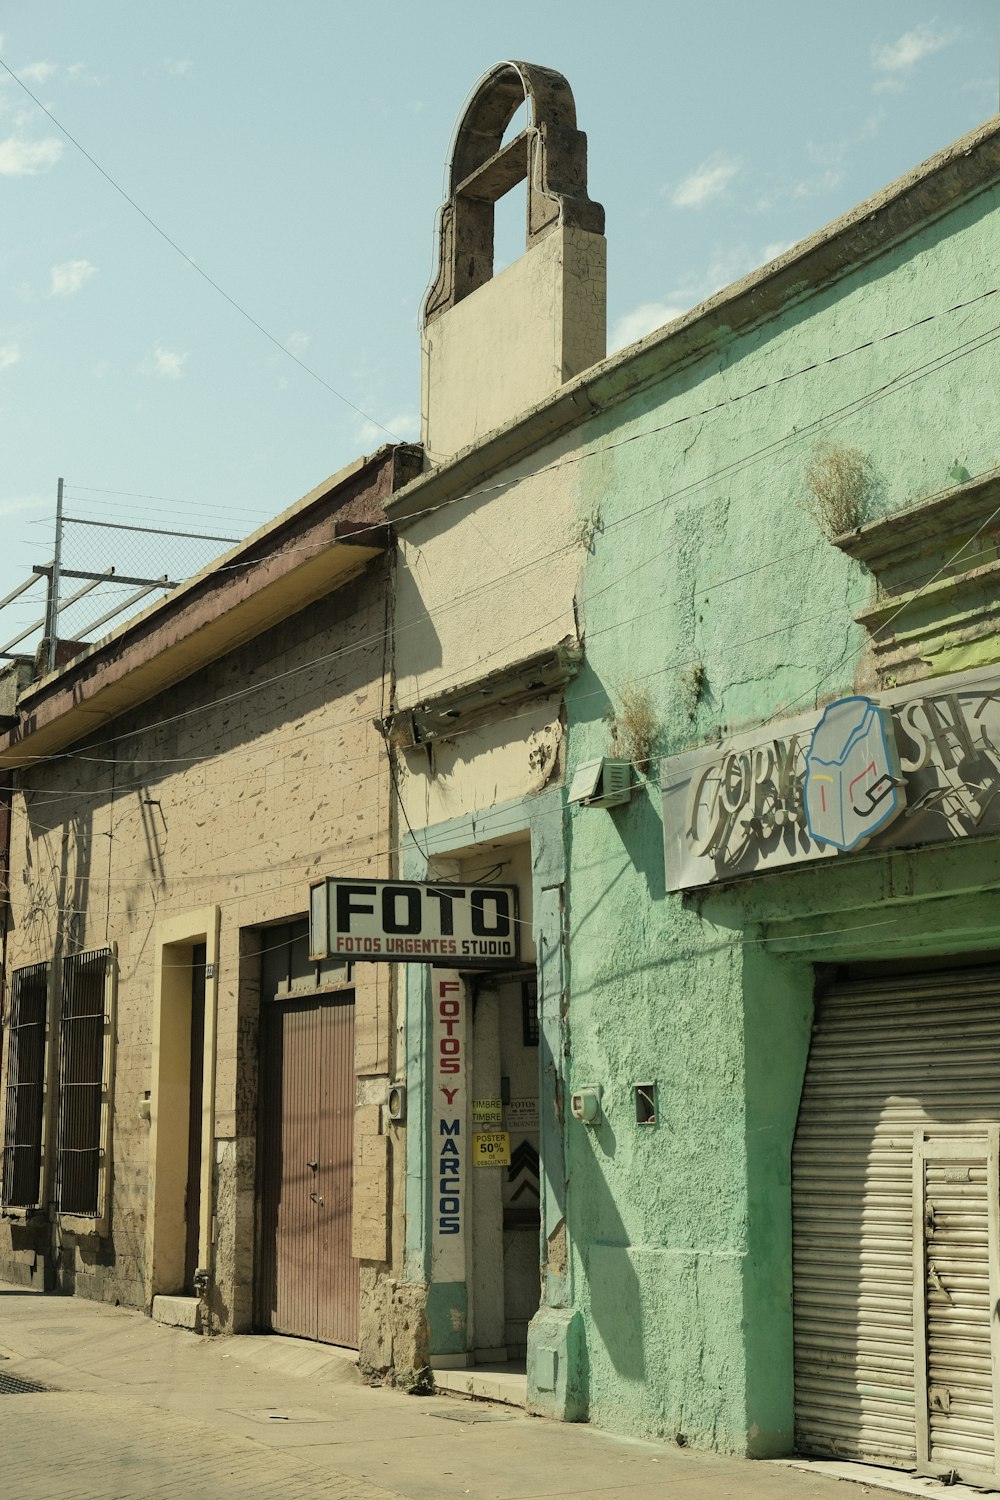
(297, 153)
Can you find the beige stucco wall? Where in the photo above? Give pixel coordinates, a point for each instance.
(231, 790)
(513, 341)
(482, 584)
(484, 766)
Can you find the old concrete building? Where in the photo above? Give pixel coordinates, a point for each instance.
(192, 1110)
(491, 548)
(700, 652)
(695, 667)
(783, 947)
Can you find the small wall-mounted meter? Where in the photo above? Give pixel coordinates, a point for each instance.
(585, 1104)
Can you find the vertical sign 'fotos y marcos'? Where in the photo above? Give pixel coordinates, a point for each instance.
(449, 1150)
(409, 921)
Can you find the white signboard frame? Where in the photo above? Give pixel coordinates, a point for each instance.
(739, 808)
(466, 926)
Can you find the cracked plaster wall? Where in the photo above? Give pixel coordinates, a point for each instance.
(705, 563)
(216, 795)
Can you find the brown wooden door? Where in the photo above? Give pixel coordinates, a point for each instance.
(307, 1279)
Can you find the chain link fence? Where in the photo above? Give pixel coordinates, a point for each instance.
(136, 565)
(109, 570)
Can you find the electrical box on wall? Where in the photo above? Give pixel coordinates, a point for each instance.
(585, 1104)
(645, 1103)
(602, 783)
(395, 1106)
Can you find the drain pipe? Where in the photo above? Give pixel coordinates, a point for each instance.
(204, 1277)
(6, 800)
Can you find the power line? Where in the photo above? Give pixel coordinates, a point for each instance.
(890, 387)
(898, 382)
(375, 638)
(710, 410)
(192, 262)
(165, 500)
(674, 665)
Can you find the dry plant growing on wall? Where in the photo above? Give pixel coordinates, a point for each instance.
(841, 484)
(635, 727)
(692, 687)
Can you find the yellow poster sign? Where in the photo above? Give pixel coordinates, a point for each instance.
(491, 1148)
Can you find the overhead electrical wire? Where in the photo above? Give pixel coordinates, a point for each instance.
(938, 361)
(676, 664)
(898, 381)
(378, 637)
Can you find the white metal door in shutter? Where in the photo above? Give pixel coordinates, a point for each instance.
(956, 1216)
(889, 1057)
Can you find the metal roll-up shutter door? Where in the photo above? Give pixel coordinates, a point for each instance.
(892, 1060)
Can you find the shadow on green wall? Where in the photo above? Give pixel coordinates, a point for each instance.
(613, 1288)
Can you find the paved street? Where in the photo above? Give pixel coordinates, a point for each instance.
(132, 1409)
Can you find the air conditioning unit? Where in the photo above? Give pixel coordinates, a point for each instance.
(602, 783)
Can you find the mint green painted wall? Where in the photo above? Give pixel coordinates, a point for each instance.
(704, 554)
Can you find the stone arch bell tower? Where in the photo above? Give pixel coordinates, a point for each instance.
(494, 345)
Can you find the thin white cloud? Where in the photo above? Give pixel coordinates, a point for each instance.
(634, 325)
(723, 269)
(168, 362)
(25, 502)
(177, 67)
(298, 343)
(404, 425)
(80, 72)
(806, 187)
(911, 48)
(39, 72)
(707, 182)
(69, 276)
(20, 158)
(9, 355)
(873, 123)
(822, 182)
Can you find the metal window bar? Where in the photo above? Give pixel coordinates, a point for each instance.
(84, 1019)
(23, 1116)
(106, 576)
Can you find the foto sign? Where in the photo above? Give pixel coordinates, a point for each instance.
(409, 921)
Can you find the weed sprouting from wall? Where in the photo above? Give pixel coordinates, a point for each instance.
(635, 728)
(692, 687)
(842, 484)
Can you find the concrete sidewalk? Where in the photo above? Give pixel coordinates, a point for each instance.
(128, 1409)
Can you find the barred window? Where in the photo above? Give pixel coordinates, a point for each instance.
(85, 1036)
(25, 1101)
